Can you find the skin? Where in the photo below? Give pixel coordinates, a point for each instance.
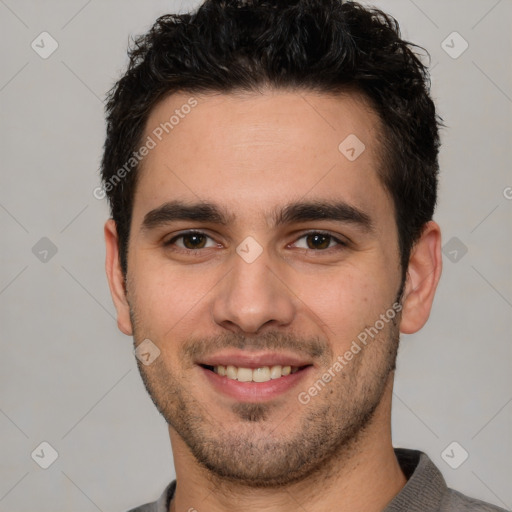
(251, 154)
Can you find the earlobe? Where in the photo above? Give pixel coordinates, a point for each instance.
(423, 273)
(116, 278)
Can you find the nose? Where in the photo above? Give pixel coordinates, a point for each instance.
(253, 297)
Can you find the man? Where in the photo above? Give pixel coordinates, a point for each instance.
(272, 171)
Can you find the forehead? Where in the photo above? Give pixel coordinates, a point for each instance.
(255, 151)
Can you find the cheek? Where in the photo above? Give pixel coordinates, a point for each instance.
(348, 301)
(168, 300)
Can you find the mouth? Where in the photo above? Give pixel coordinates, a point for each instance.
(251, 377)
(260, 374)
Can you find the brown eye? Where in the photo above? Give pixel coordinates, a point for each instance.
(190, 241)
(194, 240)
(318, 241)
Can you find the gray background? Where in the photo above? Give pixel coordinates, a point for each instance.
(68, 377)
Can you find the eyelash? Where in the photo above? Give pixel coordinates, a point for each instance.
(339, 243)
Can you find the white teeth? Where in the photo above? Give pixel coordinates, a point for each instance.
(275, 372)
(244, 375)
(231, 372)
(259, 374)
(262, 374)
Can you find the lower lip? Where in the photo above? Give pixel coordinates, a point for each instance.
(255, 391)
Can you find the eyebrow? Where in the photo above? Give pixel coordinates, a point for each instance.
(339, 211)
(178, 210)
(302, 211)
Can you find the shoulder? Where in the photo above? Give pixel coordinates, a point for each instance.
(426, 489)
(162, 504)
(458, 502)
(148, 507)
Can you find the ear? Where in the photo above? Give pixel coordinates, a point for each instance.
(423, 273)
(115, 277)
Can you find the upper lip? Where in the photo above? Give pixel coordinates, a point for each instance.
(253, 359)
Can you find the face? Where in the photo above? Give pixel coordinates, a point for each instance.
(260, 249)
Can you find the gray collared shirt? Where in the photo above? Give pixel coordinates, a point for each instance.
(425, 490)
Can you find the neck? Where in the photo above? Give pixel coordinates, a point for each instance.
(362, 477)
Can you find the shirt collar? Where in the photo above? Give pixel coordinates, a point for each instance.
(424, 489)
(425, 485)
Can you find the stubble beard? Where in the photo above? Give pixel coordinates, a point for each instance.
(257, 453)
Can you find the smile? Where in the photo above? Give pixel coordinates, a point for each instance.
(257, 384)
(261, 374)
